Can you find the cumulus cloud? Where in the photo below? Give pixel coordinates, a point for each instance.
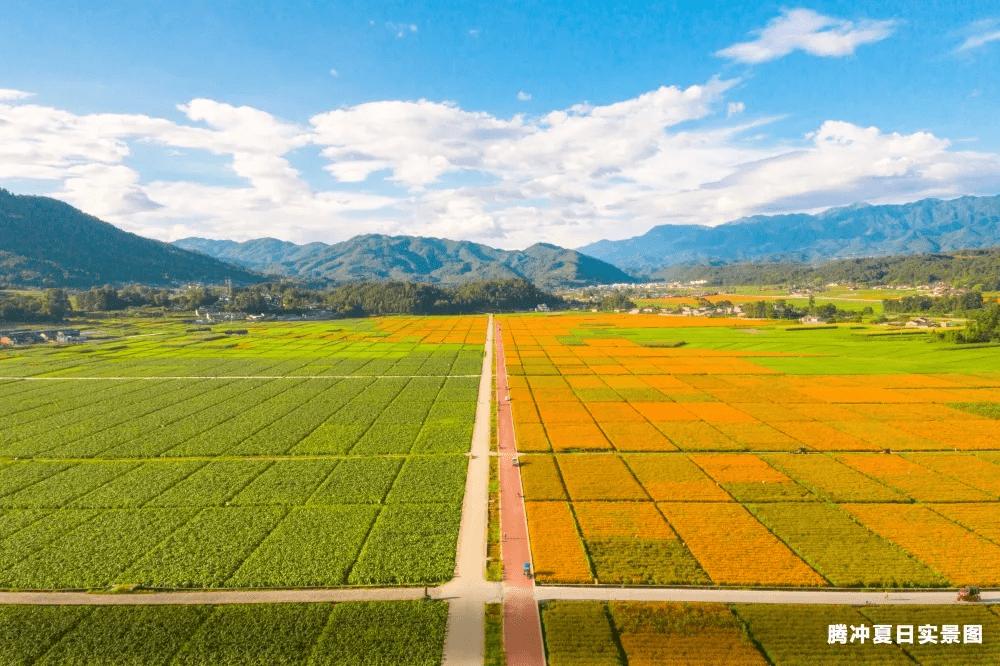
(8, 95)
(570, 176)
(809, 31)
(523, 96)
(979, 34)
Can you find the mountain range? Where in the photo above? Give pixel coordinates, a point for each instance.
(411, 258)
(860, 230)
(45, 242)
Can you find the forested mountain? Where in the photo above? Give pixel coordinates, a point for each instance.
(965, 268)
(860, 230)
(410, 258)
(46, 242)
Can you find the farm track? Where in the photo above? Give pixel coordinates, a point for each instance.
(91, 379)
(469, 591)
(742, 596)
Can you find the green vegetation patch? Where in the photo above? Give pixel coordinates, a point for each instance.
(396, 633)
(579, 633)
(255, 634)
(990, 410)
(126, 635)
(635, 561)
(410, 544)
(312, 547)
(207, 550)
(358, 481)
(844, 552)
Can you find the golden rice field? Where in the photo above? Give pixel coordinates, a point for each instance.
(752, 455)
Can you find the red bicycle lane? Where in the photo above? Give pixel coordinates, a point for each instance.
(522, 629)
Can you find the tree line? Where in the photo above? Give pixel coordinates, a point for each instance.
(972, 300)
(351, 300)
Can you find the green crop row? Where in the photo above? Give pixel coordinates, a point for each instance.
(383, 633)
(397, 544)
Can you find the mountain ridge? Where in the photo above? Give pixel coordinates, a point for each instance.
(47, 242)
(856, 230)
(411, 258)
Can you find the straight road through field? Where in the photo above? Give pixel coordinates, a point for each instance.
(122, 378)
(212, 597)
(522, 629)
(469, 591)
(737, 596)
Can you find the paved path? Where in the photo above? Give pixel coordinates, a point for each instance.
(522, 629)
(469, 592)
(734, 596)
(212, 597)
(91, 379)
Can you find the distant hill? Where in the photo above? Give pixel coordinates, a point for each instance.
(46, 242)
(962, 268)
(411, 258)
(860, 230)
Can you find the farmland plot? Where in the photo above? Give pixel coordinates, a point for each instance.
(843, 459)
(385, 633)
(313, 454)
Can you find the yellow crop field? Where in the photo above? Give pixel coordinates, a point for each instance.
(664, 411)
(972, 470)
(581, 436)
(983, 519)
(920, 483)
(531, 437)
(675, 478)
(821, 436)
(556, 551)
(599, 477)
(718, 412)
(599, 520)
(752, 443)
(750, 479)
(540, 478)
(735, 468)
(758, 436)
(954, 551)
(734, 548)
(833, 480)
(697, 436)
(675, 634)
(636, 437)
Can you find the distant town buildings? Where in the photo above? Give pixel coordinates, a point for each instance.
(34, 337)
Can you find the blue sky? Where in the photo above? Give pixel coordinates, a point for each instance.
(503, 123)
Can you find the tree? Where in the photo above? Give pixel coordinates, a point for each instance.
(55, 303)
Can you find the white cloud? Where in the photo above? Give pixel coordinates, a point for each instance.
(979, 34)
(401, 29)
(523, 96)
(809, 31)
(570, 176)
(474, 32)
(334, 72)
(8, 95)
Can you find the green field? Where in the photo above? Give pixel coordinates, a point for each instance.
(298, 455)
(384, 633)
